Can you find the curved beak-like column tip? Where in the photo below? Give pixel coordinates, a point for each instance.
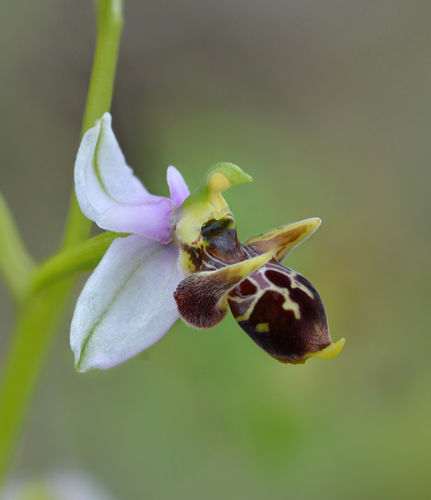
(206, 202)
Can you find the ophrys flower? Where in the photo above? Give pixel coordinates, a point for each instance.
(184, 259)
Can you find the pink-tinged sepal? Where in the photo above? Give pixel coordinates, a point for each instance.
(112, 196)
(149, 219)
(177, 186)
(281, 240)
(201, 297)
(283, 314)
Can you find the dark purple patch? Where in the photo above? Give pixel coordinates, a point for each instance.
(246, 288)
(278, 278)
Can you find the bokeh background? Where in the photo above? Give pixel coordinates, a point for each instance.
(326, 104)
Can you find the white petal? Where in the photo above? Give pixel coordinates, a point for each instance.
(127, 304)
(177, 186)
(102, 177)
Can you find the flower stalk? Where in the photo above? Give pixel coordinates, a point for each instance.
(80, 258)
(109, 26)
(38, 316)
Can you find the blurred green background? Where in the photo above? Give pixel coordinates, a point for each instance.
(326, 104)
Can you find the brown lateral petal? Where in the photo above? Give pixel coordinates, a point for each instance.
(285, 317)
(281, 240)
(201, 297)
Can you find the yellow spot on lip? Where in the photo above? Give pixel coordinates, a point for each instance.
(262, 327)
(290, 305)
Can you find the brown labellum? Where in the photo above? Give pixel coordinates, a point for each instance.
(283, 314)
(277, 307)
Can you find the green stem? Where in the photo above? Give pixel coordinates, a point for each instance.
(40, 314)
(16, 265)
(31, 339)
(109, 26)
(82, 257)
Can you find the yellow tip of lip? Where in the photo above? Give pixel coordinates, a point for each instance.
(326, 353)
(330, 351)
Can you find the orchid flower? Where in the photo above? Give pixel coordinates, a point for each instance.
(183, 259)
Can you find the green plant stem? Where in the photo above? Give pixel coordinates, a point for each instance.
(30, 341)
(82, 257)
(109, 27)
(39, 315)
(16, 265)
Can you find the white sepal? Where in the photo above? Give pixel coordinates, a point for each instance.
(127, 304)
(102, 177)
